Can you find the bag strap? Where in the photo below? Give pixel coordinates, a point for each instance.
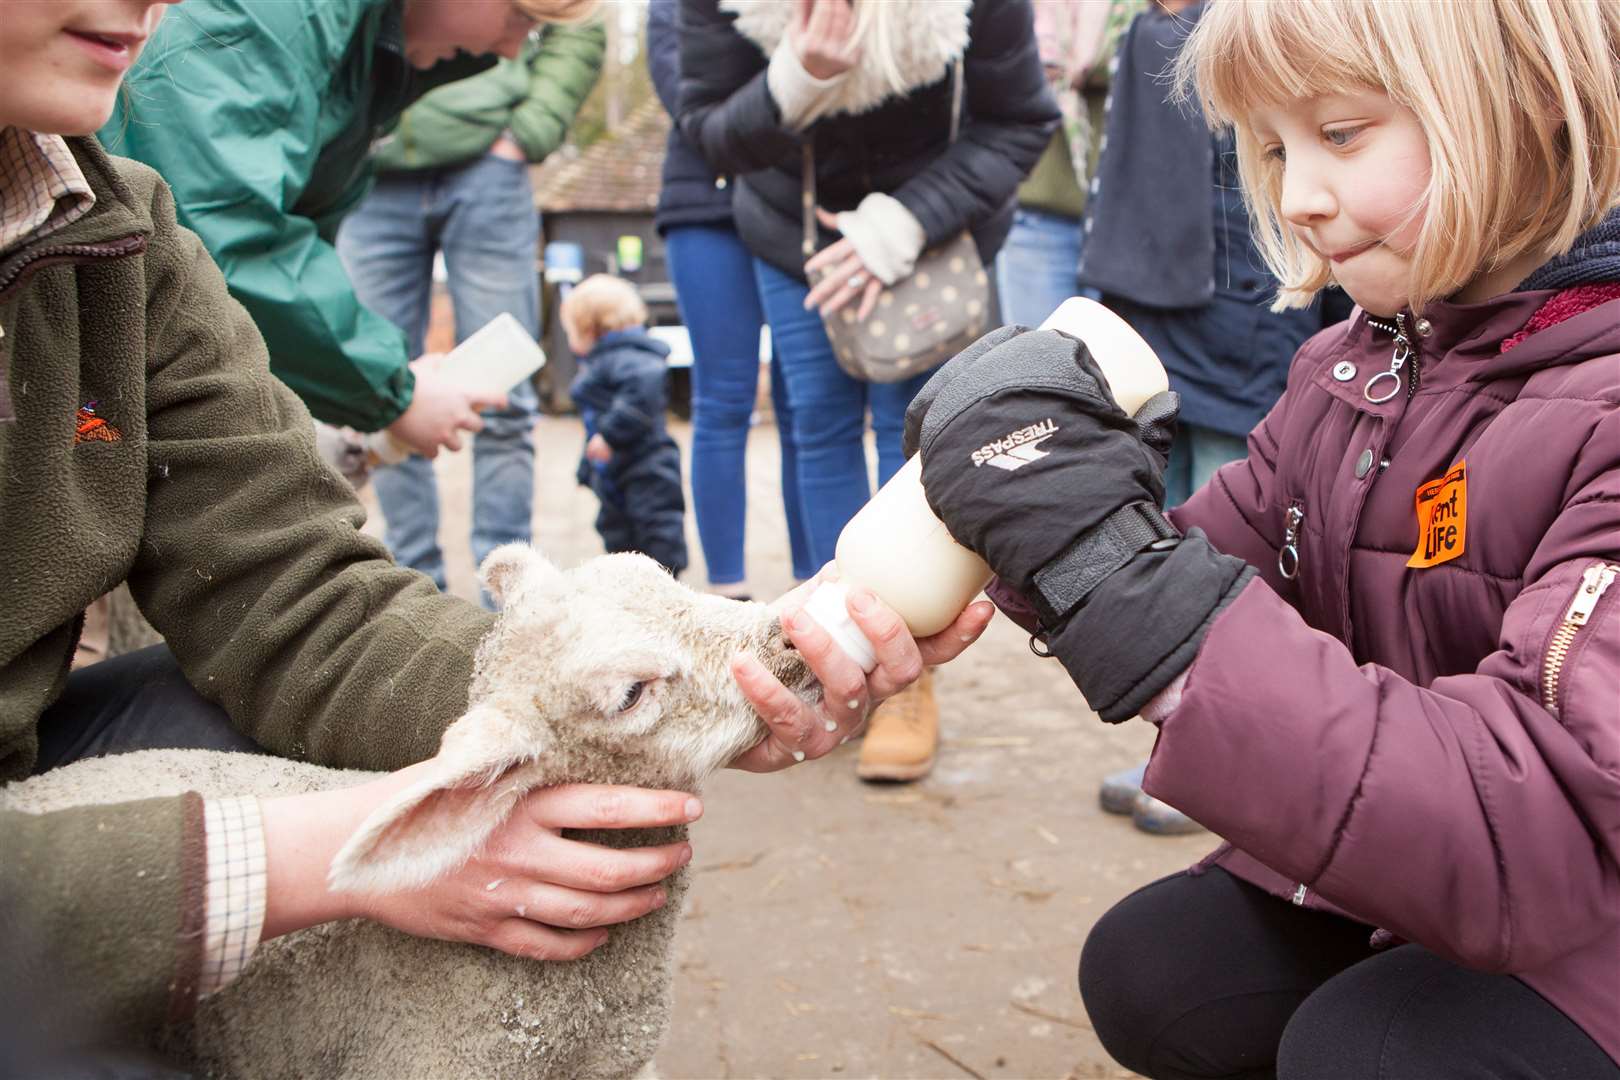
(807, 167)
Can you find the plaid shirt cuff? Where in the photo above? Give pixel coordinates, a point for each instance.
(234, 911)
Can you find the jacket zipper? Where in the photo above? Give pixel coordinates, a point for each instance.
(1597, 578)
(1414, 378)
(1398, 359)
(1288, 554)
(23, 265)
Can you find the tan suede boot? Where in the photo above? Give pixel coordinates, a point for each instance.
(902, 735)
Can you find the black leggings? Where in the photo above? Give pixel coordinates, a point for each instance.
(1208, 976)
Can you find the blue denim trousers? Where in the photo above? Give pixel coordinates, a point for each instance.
(713, 275)
(1194, 457)
(829, 414)
(481, 215)
(1037, 266)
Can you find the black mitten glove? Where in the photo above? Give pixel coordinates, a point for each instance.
(1031, 464)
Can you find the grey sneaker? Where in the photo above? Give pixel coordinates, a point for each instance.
(1160, 818)
(1119, 790)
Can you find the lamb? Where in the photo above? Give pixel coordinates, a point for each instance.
(608, 673)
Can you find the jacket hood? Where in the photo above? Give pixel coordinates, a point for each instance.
(1594, 258)
(927, 37)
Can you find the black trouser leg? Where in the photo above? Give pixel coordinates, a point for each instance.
(138, 701)
(1408, 1014)
(1196, 976)
(1207, 976)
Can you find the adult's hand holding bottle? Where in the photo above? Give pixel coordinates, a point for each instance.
(1031, 464)
(440, 410)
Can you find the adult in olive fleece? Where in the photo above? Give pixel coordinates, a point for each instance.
(240, 546)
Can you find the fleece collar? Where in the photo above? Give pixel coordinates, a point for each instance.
(927, 36)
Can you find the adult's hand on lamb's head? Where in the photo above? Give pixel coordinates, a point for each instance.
(531, 892)
(803, 731)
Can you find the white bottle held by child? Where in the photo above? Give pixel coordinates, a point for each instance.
(896, 547)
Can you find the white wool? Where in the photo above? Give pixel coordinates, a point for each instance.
(347, 998)
(924, 37)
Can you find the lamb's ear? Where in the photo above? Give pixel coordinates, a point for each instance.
(484, 766)
(509, 565)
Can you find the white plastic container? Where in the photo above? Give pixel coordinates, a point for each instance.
(896, 547)
(496, 357)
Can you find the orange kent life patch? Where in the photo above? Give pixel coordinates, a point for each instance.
(1442, 518)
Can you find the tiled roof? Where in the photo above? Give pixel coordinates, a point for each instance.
(621, 171)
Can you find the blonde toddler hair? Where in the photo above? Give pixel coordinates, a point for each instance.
(602, 304)
(1519, 101)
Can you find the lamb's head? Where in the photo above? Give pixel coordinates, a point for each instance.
(612, 672)
(617, 659)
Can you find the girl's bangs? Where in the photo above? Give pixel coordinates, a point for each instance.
(1245, 54)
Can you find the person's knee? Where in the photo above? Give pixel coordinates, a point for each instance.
(1124, 1005)
(1361, 1022)
(719, 414)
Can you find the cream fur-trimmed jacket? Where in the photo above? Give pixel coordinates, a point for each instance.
(746, 104)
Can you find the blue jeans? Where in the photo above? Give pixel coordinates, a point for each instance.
(719, 301)
(1194, 457)
(481, 215)
(829, 414)
(1038, 266)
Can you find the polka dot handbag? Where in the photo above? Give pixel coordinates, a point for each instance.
(920, 321)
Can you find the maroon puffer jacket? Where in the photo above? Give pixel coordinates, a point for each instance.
(1433, 750)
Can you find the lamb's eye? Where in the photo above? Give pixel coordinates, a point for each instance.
(631, 696)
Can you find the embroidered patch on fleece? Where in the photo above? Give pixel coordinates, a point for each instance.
(92, 428)
(1442, 518)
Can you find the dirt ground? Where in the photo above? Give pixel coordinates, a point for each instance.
(836, 929)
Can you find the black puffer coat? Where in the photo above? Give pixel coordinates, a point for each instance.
(692, 193)
(900, 146)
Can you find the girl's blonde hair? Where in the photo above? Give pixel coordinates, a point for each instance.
(1519, 101)
(558, 11)
(602, 304)
(879, 28)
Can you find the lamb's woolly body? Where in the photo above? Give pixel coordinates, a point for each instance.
(357, 999)
(925, 38)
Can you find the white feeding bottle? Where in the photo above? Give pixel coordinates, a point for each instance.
(896, 547)
(494, 358)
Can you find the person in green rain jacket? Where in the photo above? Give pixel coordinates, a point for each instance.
(453, 179)
(261, 116)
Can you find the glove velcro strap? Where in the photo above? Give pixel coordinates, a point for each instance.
(1064, 583)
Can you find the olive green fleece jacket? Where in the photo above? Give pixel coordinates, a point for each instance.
(240, 546)
(535, 97)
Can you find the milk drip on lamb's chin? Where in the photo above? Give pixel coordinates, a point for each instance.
(897, 548)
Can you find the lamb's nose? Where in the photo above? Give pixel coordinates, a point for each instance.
(782, 658)
(777, 642)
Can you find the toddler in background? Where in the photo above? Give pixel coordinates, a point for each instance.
(630, 461)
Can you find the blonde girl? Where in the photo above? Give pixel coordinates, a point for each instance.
(1383, 650)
